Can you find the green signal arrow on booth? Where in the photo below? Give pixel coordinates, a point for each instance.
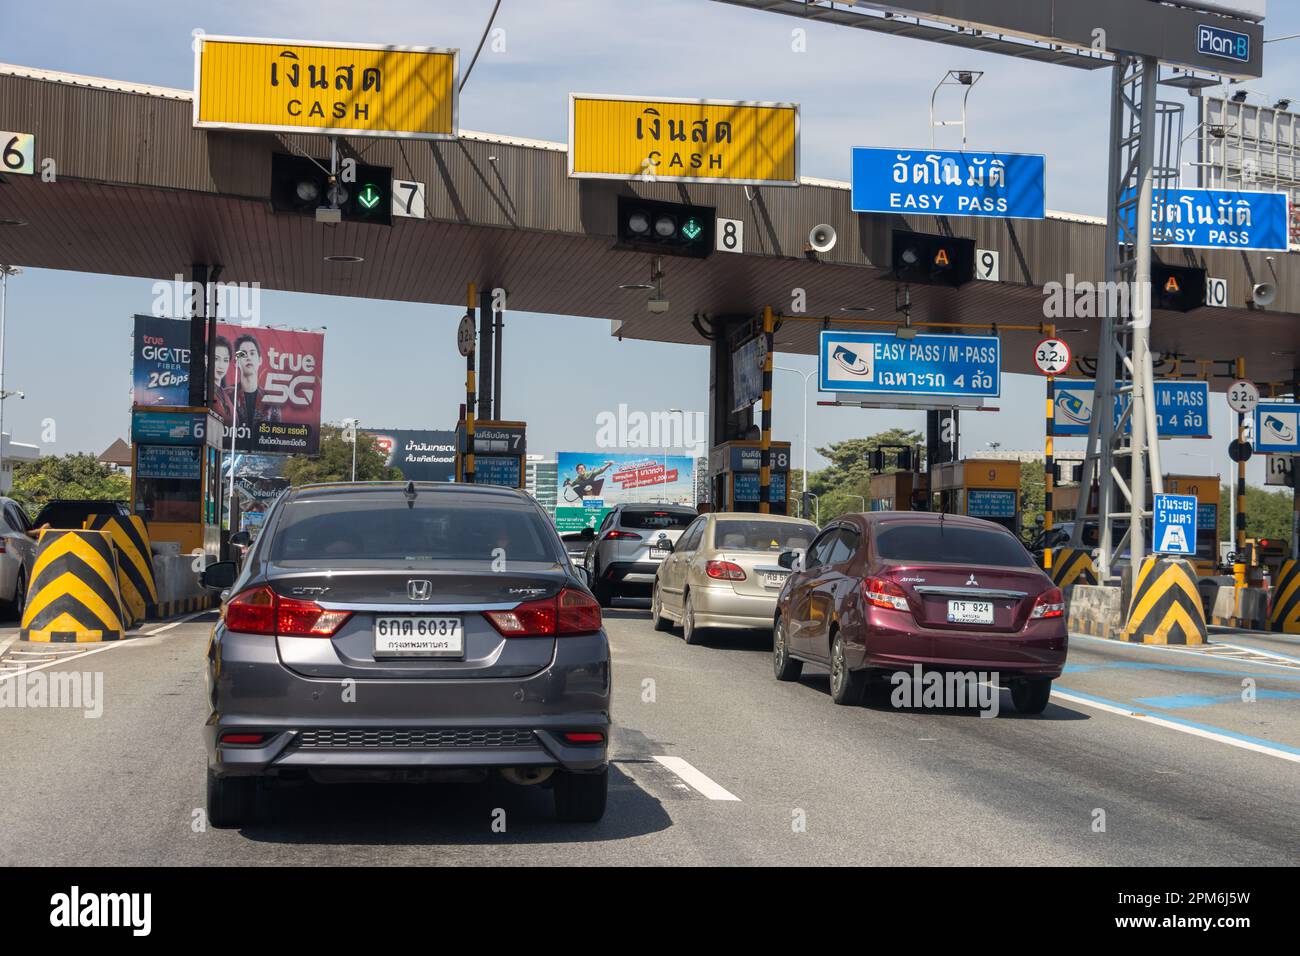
(369, 197)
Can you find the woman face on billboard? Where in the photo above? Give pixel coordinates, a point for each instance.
(220, 362)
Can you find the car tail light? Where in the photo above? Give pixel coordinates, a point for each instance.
(569, 612)
(242, 738)
(260, 610)
(584, 738)
(623, 535)
(882, 592)
(724, 570)
(1051, 603)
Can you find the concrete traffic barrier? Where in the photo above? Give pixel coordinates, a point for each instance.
(1285, 614)
(73, 597)
(136, 581)
(179, 591)
(1071, 566)
(1166, 606)
(1095, 610)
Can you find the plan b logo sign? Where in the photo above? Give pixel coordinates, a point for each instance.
(1216, 41)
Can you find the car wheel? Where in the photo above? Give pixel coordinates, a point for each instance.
(1031, 696)
(783, 665)
(232, 801)
(20, 595)
(690, 633)
(847, 686)
(580, 797)
(660, 622)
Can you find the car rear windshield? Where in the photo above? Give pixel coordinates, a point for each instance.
(756, 535)
(950, 544)
(433, 528)
(656, 520)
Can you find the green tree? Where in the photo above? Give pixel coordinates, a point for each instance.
(845, 484)
(334, 463)
(1268, 513)
(67, 476)
(1033, 497)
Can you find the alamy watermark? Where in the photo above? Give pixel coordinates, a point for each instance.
(69, 690)
(947, 690)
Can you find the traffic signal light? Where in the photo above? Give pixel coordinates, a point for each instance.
(667, 228)
(933, 260)
(360, 193)
(1177, 288)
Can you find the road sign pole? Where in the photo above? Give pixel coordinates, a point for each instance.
(1240, 565)
(471, 302)
(1049, 483)
(765, 461)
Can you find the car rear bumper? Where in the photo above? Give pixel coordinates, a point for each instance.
(722, 607)
(387, 724)
(630, 574)
(1038, 650)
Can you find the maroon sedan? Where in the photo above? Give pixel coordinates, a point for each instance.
(883, 592)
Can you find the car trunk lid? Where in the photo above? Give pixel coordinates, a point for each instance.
(958, 598)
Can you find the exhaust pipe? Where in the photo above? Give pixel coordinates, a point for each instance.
(527, 776)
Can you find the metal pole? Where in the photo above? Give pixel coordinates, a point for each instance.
(498, 321)
(765, 459)
(4, 304)
(1049, 482)
(468, 476)
(1243, 562)
(354, 449)
(234, 435)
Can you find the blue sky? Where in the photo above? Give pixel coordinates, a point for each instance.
(393, 365)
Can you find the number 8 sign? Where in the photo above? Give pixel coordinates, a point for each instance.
(1052, 356)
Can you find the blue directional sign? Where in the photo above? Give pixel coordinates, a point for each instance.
(1277, 427)
(880, 362)
(1173, 526)
(1218, 219)
(1182, 408)
(949, 182)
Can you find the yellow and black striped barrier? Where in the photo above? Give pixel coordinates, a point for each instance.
(1284, 614)
(186, 605)
(73, 596)
(136, 581)
(1071, 566)
(1166, 606)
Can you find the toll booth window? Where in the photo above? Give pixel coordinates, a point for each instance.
(656, 520)
(169, 499)
(951, 544)
(758, 535)
(347, 530)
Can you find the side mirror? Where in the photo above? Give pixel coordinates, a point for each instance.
(792, 559)
(588, 534)
(219, 576)
(241, 539)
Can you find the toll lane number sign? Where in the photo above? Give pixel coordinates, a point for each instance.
(17, 153)
(1052, 356)
(1174, 526)
(731, 235)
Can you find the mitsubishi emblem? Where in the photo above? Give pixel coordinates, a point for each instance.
(972, 583)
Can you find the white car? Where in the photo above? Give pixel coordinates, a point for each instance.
(16, 553)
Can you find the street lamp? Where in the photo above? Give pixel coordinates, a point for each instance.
(5, 272)
(353, 424)
(860, 498)
(804, 435)
(234, 433)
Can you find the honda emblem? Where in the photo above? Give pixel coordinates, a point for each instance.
(419, 590)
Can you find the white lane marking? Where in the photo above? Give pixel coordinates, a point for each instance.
(1174, 725)
(4, 645)
(1180, 650)
(696, 779)
(105, 646)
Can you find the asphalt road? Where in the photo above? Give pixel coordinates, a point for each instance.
(1202, 777)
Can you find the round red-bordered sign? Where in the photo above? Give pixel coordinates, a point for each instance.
(1052, 356)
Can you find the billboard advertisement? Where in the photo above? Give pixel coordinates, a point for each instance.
(589, 484)
(277, 379)
(161, 361)
(419, 455)
(277, 384)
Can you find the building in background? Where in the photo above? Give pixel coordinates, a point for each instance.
(116, 455)
(14, 452)
(701, 480)
(540, 479)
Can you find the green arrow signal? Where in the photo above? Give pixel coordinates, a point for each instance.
(369, 197)
(691, 229)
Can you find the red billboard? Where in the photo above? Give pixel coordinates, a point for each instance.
(267, 382)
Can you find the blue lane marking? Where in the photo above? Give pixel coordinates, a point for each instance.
(1268, 744)
(1181, 701)
(1143, 666)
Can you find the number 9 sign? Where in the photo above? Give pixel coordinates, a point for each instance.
(1052, 356)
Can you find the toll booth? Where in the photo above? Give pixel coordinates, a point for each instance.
(734, 476)
(500, 450)
(979, 488)
(176, 476)
(1206, 491)
(899, 491)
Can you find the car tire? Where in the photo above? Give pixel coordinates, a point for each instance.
(784, 666)
(19, 604)
(848, 687)
(690, 633)
(580, 797)
(1031, 696)
(232, 801)
(657, 618)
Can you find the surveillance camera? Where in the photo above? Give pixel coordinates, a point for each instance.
(657, 305)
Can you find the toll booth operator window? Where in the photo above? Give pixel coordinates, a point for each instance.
(169, 499)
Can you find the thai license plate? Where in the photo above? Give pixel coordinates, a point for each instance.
(417, 635)
(970, 612)
(659, 552)
(774, 579)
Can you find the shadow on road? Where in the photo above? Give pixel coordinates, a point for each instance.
(380, 814)
(879, 699)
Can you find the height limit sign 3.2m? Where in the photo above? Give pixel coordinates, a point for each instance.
(1052, 356)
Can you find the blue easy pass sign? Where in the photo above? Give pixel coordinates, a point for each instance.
(1182, 408)
(949, 182)
(1173, 528)
(880, 362)
(1277, 427)
(1218, 219)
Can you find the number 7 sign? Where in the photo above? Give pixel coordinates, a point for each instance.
(408, 199)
